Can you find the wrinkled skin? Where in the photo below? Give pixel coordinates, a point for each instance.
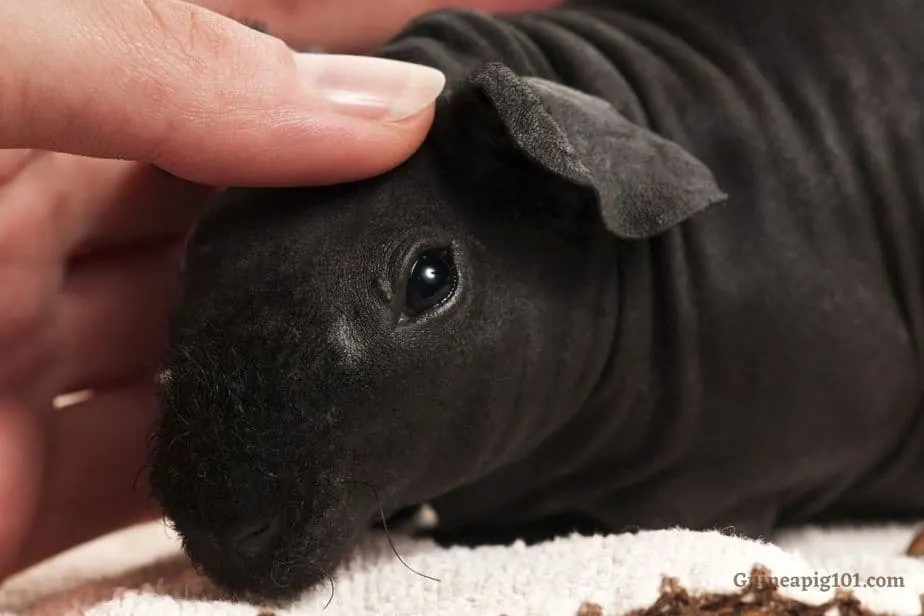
(312, 382)
(298, 380)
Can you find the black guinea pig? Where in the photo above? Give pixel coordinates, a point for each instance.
(610, 287)
(385, 342)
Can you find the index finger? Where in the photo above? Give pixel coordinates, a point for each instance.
(206, 98)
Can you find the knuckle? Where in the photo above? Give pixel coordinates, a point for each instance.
(25, 317)
(211, 69)
(25, 312)
(192, 32)
(278, 53)
(193, 42)
(36, 215)
(31, 267)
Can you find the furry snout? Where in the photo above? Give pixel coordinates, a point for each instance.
(255, 558)
(249, 539)
(258, 526)
(245, 544)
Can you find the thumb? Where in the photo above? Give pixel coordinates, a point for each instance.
(173, 84)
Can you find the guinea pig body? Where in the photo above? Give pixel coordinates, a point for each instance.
(658, 263)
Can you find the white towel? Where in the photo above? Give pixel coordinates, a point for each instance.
(124, 574)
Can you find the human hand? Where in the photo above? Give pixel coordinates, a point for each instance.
(89, 247)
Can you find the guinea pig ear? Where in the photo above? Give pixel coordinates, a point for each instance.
(642, 183)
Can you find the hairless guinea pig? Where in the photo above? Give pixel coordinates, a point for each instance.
(658, 263)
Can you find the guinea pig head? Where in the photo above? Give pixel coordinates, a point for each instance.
(341, 352)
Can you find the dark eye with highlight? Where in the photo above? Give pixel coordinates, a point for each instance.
(432, 281)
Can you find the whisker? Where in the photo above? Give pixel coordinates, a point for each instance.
(331, 580)
(388, 532)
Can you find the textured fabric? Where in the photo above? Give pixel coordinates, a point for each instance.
(618, 573)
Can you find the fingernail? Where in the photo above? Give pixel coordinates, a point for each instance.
(366, 87)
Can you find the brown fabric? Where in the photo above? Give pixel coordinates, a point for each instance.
(917, 545)
(171, 576)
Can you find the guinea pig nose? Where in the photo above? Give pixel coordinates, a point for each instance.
(254, 538)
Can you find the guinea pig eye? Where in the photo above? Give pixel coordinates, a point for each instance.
(432, 281)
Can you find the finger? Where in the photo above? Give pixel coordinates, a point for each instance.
(30, 278)
(27, 314)
(349, 27)
(202, 96)
(12, 162)
(21, 468)
(113, 318)
(130, 204)
(81, 205)
(95, 453)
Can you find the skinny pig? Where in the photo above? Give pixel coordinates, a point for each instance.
(659, 262)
